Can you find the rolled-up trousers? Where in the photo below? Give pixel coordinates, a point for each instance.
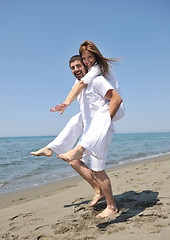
(96, 140)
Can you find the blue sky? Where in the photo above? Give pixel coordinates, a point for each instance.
(37, 38)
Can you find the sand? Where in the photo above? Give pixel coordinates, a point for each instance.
(60, 210)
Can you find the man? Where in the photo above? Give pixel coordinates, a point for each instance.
(94, 102)
(69, 136)
(76, 157)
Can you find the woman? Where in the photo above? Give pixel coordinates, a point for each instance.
(96, 64)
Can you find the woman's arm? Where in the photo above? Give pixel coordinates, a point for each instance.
(115, 101)
(92, 73)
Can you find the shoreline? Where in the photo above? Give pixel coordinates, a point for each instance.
(9, 198)
(113, 166)
(20, 170)
(59, 210)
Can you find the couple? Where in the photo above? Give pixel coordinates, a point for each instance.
(100, 103)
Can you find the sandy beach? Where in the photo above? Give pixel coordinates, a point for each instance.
(59, 210)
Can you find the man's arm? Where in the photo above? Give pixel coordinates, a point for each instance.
(115, 101)
(75, 91)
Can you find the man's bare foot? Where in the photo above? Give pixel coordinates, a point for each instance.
(43, 151)
(96, 199)
(107, 212)
(75, 153)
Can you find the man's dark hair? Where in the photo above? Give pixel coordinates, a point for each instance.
(74, 58)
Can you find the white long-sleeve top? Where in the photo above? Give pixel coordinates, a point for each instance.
(94, 72)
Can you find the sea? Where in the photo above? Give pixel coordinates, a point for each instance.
(20, 170)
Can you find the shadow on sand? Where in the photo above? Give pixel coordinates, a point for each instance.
(77, 204)
(129, 204)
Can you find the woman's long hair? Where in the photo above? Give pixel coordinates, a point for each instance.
(102, 61)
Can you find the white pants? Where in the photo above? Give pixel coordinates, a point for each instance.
(68, 137)
(96, 141)
(98, 163)
(96, 136)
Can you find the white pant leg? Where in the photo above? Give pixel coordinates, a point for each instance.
(95, 163)
(94, 139)
(68, 136)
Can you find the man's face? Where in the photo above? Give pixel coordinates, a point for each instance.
(78, 69)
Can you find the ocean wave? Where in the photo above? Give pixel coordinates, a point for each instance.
(21, 170)
(3, 183)
(143, 158)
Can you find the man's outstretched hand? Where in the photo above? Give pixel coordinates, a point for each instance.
(60, 108)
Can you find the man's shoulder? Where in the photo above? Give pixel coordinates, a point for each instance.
(99, 78)
(101, 82)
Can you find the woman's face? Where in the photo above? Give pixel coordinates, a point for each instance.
(88, 58)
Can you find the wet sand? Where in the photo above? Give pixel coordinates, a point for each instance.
(59, 210)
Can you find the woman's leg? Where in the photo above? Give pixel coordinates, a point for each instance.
(46, 151)
(65, 140)
(93, 141)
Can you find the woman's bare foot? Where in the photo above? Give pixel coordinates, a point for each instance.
(96, 199)
(75, 153)
(46, 151)
(107, 212)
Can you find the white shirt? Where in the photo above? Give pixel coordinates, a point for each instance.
(92, 98)
(95, 71)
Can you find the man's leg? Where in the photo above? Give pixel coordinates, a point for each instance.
(86, 173)
(98, 167)
(65, 140)
(104, 183)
